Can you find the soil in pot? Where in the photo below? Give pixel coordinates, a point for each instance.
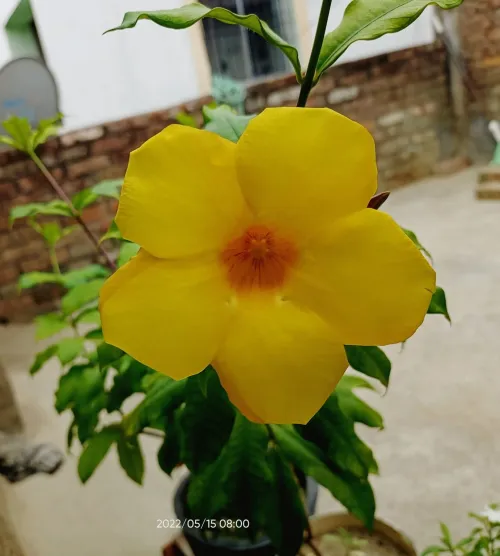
(343, 535)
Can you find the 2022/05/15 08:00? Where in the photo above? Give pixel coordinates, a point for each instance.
(202, 523)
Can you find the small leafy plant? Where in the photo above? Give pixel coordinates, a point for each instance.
(483, 539)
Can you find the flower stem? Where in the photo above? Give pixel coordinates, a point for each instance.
(308, 82)
(76, 215)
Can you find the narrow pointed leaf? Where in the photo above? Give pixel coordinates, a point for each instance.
(439, 305)
(186, 16)
(366, 20)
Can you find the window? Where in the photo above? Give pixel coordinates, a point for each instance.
(22, 33)
(235, 52)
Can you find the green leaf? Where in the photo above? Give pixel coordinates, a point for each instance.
(83, 275)
(164, 395)
(446, 535)
(83, 199)
(95, 334)
(366, 20)
(32, 279)
(78, 386)
(352, 406)
(86, 415)
(20, 131)
(287, 518)
(238, 480)
(96, 450)
(108, 355)
(69, 349)
(417, 243)
(438, 304)
(354, 493)
(186, 119)
(108, 188)
(81, 295)
(131, 458)
(225, 122)
(41, 358)
(10, 142)
(126, 382)
(89, 316)
(46, 129)
(112, 233)
(127, 251)
(48, 325)
(52, 233)
(169, 454)
(371, 361)
(334, 433)
(206, 422)
(186, 16)
(53, 208)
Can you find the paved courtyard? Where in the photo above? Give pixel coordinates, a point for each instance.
(439, 454)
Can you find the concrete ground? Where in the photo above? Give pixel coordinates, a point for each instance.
(439, 454)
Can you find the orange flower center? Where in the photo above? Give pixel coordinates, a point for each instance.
(258, 260)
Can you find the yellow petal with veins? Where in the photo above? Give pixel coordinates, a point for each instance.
(367, 279)
(300, 169)
(170, 316)
(278, 363)
(180, 195)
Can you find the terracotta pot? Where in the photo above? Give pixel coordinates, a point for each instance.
(331, 523)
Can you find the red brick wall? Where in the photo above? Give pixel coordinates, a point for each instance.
(402, 98)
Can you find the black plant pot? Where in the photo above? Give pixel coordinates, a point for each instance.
(224, 546)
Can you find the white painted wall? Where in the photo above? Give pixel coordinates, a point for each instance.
(417, 34)
(103, 78)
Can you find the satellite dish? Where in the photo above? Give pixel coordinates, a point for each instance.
(28, 90)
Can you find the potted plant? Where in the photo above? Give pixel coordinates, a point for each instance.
(251, 484)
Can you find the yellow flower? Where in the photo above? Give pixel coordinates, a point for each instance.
(262, 259)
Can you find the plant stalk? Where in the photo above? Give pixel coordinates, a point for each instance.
(76, 215)
(308, 82)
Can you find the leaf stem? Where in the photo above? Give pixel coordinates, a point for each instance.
(76, 215)
(308, 82)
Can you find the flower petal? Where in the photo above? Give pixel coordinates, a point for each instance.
(301, 168)
(170, 316)
(367, 279)
(180, 196)
(278, 363)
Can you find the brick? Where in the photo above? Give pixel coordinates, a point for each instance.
(111, 144)
(343, 94)
(88, 166)
(74, 153)
(83, 136)
(394, 118)
(279, 97)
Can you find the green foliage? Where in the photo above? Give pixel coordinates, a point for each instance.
(353, 492)
(238, 480)
(438, 304)
(482, 540)
(367, 20)
(127, 251)
(224, 121)
(23, 137)
(416, 241)
(206, 420)
(186, 16)
(52, 208)
(68, 280)
(41, 358)
(186, 119)
(95, 450)
(333, 432)
(48, 325)
(81, 295)
(355, 408)
(108, 188)
(131, 458)
(112, 233)
(371, 361)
